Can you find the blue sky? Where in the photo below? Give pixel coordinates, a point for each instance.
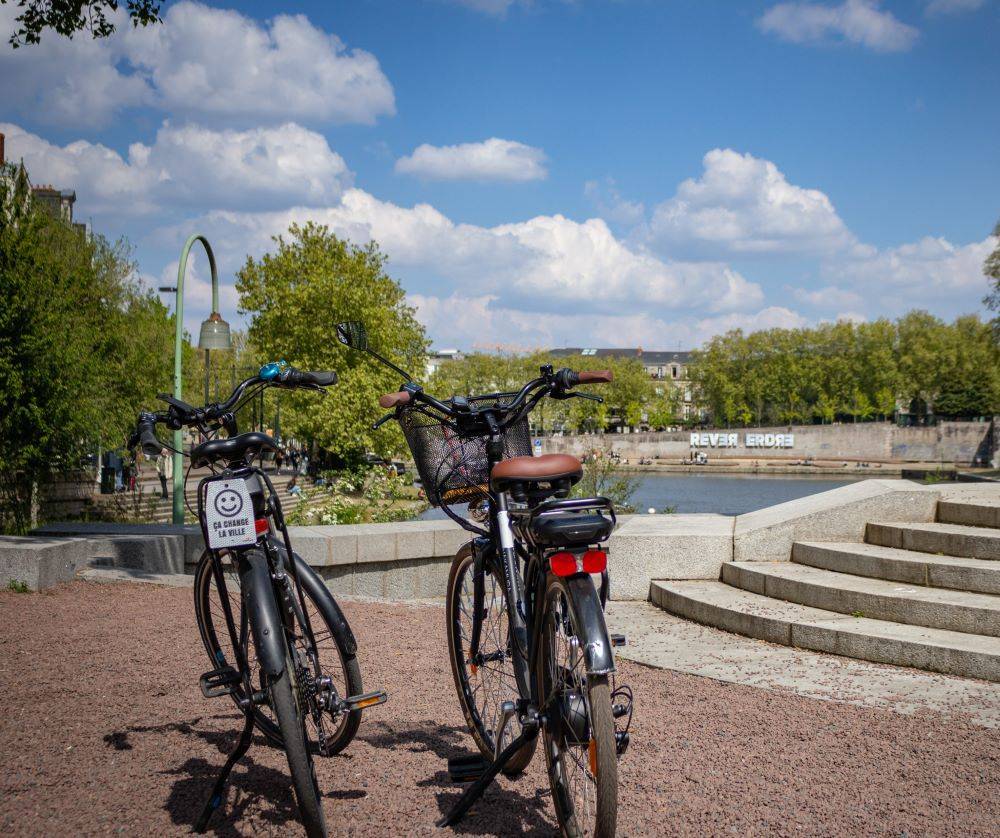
(548, 172)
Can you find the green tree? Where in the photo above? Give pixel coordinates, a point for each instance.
(295, 296)
(82, 349)
(991, 269)
(67, 17)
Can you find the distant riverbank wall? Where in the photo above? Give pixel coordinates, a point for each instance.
(960, 443)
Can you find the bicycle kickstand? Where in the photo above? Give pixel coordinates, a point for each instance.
(217, 790)
(475, 791)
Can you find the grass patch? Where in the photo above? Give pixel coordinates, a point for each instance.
(17, 586)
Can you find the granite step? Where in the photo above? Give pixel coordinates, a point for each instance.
(878, 599)
(939, 538)
(791, 624)
(892, 564)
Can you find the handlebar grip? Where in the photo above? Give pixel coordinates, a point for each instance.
(595, 377)
(151, 446)
(319, 379)
(391, 400)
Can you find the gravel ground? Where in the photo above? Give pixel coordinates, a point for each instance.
(104, 731)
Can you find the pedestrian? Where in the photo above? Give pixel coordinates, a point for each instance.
(279, 457)
(293, 455)
(165, 470)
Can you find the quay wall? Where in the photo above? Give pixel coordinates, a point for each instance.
(960, 443)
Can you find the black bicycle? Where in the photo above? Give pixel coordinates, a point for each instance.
(530, 650)
(279, 644)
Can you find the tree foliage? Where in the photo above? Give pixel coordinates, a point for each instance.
(68, 17)
(850, 371)
(991, 269)
(82, 347)
(295, 296)
(633, 398)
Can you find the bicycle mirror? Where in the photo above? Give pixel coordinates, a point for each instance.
(353, 334)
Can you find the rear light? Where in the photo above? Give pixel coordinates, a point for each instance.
(261, 525)
(563, 564)
(595, 561)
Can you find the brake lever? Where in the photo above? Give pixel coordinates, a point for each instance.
(383, 420)
(590, 396)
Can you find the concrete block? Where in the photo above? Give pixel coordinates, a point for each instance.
(449, 539)
(41, 563)
(651, 547)
(369, 580)
(841, 514)
(312, 546)
(376, 542)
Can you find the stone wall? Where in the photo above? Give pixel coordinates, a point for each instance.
(962, 443)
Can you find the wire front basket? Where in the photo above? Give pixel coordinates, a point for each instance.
(455, 468)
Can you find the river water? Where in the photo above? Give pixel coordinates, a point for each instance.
(728, 494)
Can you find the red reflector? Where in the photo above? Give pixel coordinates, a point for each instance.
(563, 564)
(261, 525)
(595, 561)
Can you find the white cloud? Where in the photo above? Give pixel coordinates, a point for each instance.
(497, 8)
(216, 65)
(188, 166)
(947, 7)
(548, 263)
(859, 22)
(745, 205)
(828, 297)
(610, 203)
(931, 269)
(75, 82)
(491, 160)
(482, 322)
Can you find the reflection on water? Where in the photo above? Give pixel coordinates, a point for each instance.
(728, 494)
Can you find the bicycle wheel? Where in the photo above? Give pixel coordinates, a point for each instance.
(579, 739)
(482, 687)
(342, 667)
(291, 710)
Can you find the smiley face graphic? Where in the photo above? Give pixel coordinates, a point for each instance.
(228, 503)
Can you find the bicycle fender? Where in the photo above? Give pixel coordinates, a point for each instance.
(262, 612)
(595, 641)
(328, 606)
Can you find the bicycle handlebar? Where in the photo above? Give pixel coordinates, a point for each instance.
(180, 414)
(556, 384)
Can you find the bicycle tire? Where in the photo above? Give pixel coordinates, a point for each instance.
(601, 763)
(208, 610)
(289, 710)
(461, 669)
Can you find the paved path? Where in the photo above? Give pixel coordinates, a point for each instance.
(104, 732)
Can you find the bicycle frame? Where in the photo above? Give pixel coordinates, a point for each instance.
(271, 652)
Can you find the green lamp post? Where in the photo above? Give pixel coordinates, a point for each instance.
(214, 335)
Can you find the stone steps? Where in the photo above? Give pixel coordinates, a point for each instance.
(845, 593)
(939, 538)
(896, 565)
(792, 624)
(969, 513)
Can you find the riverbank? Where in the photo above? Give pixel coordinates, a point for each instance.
(818, 468)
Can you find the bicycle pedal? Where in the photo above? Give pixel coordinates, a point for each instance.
(219, 682)
(621, 742)
(372, 699)
(467, 769)
(618, 640)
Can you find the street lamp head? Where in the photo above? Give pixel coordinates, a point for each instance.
(215, 333)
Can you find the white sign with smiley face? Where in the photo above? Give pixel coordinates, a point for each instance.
(229, 514)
